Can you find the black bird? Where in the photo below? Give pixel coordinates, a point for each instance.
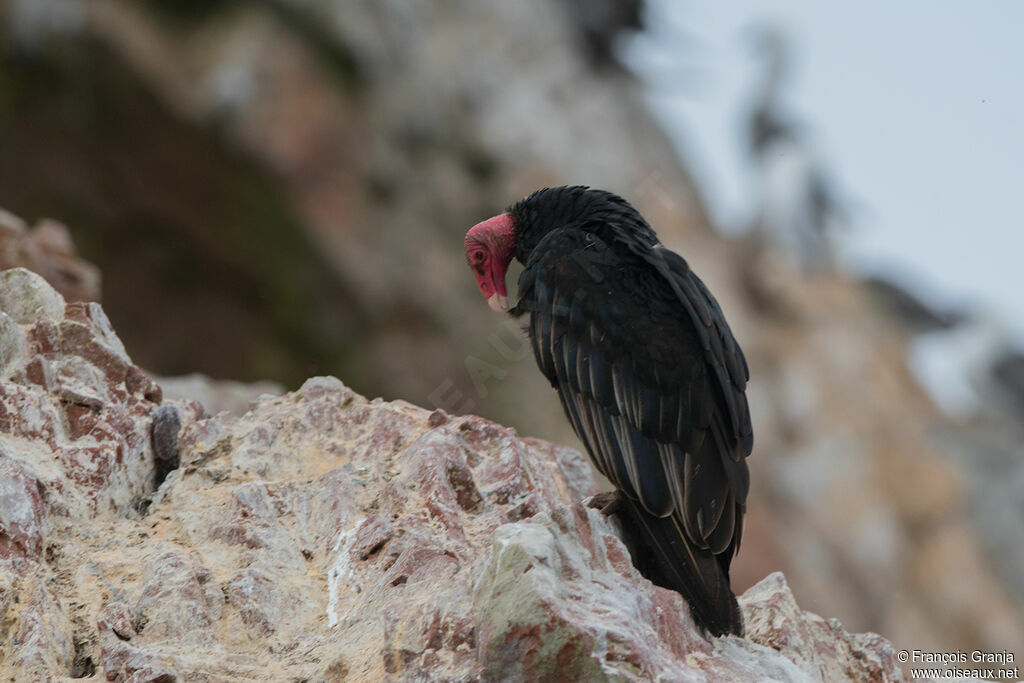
(649, 375)
(801, 205)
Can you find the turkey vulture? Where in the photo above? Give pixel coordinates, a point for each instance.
(648, 373)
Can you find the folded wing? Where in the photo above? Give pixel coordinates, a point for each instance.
(647, 371)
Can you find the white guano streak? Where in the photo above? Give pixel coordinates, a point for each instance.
(338, 572)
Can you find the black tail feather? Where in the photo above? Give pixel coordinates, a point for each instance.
(664, 555)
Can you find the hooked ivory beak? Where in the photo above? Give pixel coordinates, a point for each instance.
(498, 303)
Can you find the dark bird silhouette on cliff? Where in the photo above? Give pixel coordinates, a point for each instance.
(649, 375)
(600, 23)
(801, 206)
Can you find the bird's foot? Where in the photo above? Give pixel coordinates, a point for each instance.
(608, 502)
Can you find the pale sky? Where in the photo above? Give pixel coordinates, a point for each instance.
(916, 107)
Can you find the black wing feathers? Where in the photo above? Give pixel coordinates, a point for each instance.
(653, 383)
(671, 379)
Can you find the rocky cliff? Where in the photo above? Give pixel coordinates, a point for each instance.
(323, 536)
(280, 189)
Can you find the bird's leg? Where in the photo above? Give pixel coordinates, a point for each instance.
(608, 502)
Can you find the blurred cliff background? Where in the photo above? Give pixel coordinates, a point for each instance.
(278, 189)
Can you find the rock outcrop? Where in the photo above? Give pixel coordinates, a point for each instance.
(46, 248)
(323, 536)
(301, 175)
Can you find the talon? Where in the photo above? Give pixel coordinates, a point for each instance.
(607, 503)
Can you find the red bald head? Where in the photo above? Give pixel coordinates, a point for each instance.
(490, 247)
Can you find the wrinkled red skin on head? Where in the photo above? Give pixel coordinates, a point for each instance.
(490, 246)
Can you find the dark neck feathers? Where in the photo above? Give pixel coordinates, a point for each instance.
(573, 206)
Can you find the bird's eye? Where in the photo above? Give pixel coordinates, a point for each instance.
(478, 255)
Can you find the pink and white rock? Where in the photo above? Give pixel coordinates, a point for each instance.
(324, 536)
(47, 249)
